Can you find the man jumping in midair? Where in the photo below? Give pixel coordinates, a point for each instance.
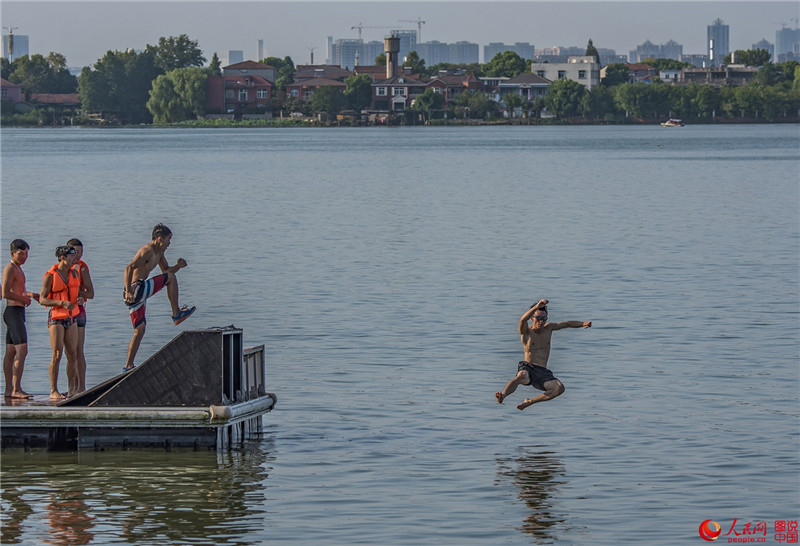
(536, 341)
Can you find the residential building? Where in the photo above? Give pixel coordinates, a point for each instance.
(700, 60)
(464, 53)
(637, 73)
(719, 75)
(235, 56)
(434, 52)
(529, 86)
(10, 91)
(408, 43)
(764, 44)
(523, 49)
(251, 68)
(649, 50)
(786, 44)
(558, 54)
(718, 41)
(331, 72)
(304, 89)
(14, 46)
(238, 94)
(453, 85)
(580, 68)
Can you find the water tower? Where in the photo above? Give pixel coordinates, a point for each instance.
(391, 48)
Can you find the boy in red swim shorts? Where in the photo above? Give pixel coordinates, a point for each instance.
(138, 288)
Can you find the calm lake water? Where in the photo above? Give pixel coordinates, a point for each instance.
(386, 271)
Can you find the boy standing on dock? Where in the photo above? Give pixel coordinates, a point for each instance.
(536, 341)
(138, 288)
(78, 383)
(17, 299)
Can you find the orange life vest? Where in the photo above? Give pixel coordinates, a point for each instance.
(77, 268)
(64, 292)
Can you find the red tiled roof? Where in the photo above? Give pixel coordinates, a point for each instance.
(56, 98)
(6, 83)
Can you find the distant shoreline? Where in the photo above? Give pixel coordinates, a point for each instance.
(279, 124)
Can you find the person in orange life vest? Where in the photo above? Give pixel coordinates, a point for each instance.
(61, 292)
(78, 383)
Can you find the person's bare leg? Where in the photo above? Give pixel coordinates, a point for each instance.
(8, 368)
(133, 347)
(81, 361)
(553, 388)
(57, 343)
(71, 350)
(19, 367)
(172, 293)
(521, 378)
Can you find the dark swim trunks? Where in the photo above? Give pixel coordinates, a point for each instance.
(539, 374)
(80, 320)
(14, 317)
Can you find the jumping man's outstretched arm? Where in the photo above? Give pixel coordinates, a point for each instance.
(570, 324)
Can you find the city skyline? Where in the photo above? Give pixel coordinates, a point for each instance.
(84, 31)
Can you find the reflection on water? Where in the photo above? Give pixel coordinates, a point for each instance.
(142, 497)
(537, 474)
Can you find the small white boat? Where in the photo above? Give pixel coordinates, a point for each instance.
(673, 123)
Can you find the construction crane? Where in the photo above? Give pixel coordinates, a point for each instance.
(359, 26)
(419, 22)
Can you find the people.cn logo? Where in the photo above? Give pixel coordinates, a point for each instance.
(710, 530)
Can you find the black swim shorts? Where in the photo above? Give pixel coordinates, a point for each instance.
(539, 374)
(14, 317)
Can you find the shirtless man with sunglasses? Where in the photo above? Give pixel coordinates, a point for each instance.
(536, 341)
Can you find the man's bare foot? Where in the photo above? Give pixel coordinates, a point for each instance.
(21, 395)
(54, 395)
(499, 396)
(527, 402)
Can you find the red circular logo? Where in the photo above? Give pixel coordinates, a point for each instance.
(710, 530)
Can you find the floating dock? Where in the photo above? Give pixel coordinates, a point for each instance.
(201, 390)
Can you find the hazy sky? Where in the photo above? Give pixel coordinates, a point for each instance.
(84, 31)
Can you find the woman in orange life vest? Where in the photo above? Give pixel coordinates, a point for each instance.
(61, 291)
(87, 291)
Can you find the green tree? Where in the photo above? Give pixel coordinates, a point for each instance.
(120, 85)
(476, 105)
(429, 102)
(285, 68)
(328, 99)
(358, 91)
(665, 64)
(598, 103)
(748, 57)
(512, 101)
(415, 63)
(380, 60)
(506, 64)
(706, 100)
(616, 73)
(591, 51)
(178, 95)
(564, 98)
(215, 69)
(176, 52)
(38, 74)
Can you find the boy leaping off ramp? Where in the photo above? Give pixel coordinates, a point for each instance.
(536, 341)
(138, 287)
